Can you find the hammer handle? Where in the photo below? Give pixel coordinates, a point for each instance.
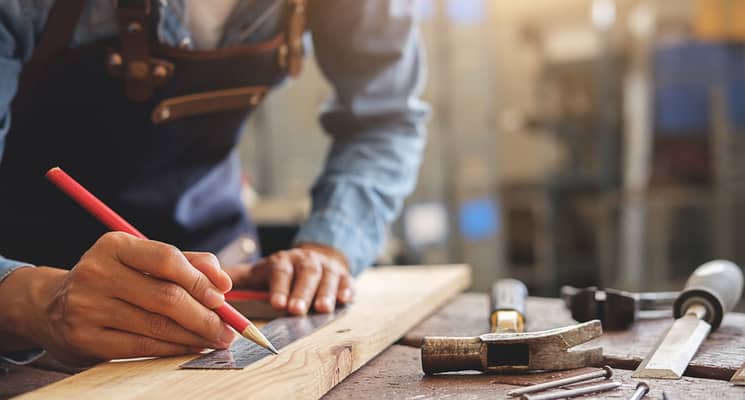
(717, 285)
(508, 295)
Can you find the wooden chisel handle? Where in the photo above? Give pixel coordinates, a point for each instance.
(716, 285)
(508, 306)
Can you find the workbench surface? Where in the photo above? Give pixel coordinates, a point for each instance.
(396, 373)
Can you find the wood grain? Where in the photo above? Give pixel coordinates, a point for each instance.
(397, 374)
(718, 358)
(388, 303)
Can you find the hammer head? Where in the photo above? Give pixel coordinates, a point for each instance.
(514, 352)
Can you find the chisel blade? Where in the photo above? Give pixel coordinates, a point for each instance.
(671, 356)
(739, 377)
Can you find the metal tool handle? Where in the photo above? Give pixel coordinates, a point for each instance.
(717, 285)
(444, 354)
(508, 295)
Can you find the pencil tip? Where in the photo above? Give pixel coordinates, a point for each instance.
(254, 334)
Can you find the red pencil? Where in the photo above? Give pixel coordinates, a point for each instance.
(115, 222)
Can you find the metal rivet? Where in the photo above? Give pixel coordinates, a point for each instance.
(160, 72)
(248, 246)
(115, 60)
(137, 70)
(185, 43)
(134, 27)
(165, 113)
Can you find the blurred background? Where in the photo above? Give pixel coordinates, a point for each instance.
(582, 142)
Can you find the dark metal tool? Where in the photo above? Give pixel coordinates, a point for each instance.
(507, 348)
(616, 309)
(712, 290)
(281, 332)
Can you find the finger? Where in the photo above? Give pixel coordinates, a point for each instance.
(163, 261)
(251, 276)
(307, 277)
(209, 265)
(281, 279)
(123, 316)
(168, 299)
(111, 343)
(327, 289)
(346, 289)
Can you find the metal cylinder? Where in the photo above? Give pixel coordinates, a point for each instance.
(443, 354)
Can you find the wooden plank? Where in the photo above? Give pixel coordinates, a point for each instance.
(397, 374)
(718, 358)
(388, 303)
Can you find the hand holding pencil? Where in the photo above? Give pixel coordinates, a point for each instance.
(129, 296)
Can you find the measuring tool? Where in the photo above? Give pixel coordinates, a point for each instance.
(281, 332)
(507, 348)
(712, 290)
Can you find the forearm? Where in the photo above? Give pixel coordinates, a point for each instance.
(20, 298)
(371, 54)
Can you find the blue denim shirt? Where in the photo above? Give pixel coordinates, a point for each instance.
(368, 50)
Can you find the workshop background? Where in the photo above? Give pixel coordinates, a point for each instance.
(571, 142)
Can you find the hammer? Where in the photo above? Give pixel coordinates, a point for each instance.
(508, 348)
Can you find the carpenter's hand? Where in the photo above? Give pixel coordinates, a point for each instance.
(127, 297)
(310, 274)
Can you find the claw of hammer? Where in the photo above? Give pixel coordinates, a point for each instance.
(513, 352)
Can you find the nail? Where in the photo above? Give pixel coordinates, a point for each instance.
(346, 294)
(213, 298)
(563, 394)
(226, 336)
(606, 372)
(298, 305)
(279, 300)
(641, 390)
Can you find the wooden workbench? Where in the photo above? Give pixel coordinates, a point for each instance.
(396, 373)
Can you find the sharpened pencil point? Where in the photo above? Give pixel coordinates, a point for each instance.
(254, 334)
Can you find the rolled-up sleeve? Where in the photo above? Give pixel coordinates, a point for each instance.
(17, 32)
(370, 52)
(16, 42)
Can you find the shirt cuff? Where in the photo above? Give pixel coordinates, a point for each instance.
(7, 266)
(337, 230)
(22, 357)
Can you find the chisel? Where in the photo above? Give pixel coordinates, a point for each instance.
(739, 377)
(712, 290)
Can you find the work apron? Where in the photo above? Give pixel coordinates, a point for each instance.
(149, 129)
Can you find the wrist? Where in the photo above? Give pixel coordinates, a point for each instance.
(23, 297)
(328, 251)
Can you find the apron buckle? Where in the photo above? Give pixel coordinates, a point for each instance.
(160, 71)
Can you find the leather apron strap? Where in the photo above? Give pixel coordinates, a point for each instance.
(58, 32)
